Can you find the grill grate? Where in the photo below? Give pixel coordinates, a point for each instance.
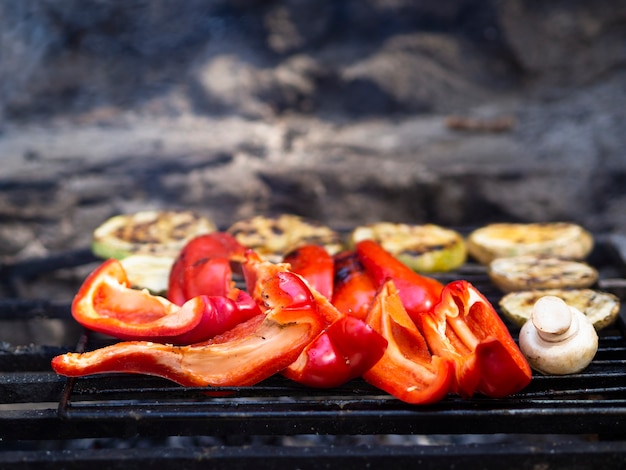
(591, 402)
(584, 411)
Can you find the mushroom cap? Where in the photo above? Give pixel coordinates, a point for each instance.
(556, 349)
(552, 316)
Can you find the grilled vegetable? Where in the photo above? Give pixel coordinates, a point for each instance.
(106, 303)
(560, 239)
(314, 264)
(345, 350)
(244, 355)
(148, 272)
(156, 233)
(465, 328)
(204, 267)
(354, 289)
(601, 308)
(526, 272)
(418, 293)
(274, 237)
(558, 339)
(424, 248)
(407, 369)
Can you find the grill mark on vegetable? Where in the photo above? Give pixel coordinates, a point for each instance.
(151, 231)
(276, 230)
(420, 250)
(348, 264)
(279, 235)
(319, 239)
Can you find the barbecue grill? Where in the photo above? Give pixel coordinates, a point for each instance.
(47, 421)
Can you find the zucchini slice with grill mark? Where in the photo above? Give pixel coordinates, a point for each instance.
(560, 239)
(424, 248)
(272, 237)
(527, 272)
(157, 233)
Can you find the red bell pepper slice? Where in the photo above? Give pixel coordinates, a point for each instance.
(204, 267)
(220, 315)
(407, 369)
(345, 350)
(106, 303)
(465, 328)
(354, 288)
(418, 293)
(245, 355)
(315, 265)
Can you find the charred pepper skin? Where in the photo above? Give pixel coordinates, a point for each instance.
(245, 355)
(354, 288)
(465, 328)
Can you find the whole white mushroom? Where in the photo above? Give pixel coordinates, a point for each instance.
(558, 339)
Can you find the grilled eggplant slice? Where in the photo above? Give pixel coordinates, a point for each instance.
(560, 239)
(424, 248)
(527, 272)
(602, 308)
(156, 233)
(272, 237)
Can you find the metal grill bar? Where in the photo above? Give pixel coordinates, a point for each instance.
(561, 455)
(593, 402)
(37, 266)
(23, 309)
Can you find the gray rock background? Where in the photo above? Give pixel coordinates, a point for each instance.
(341, 111)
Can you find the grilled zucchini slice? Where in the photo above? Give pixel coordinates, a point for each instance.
(560, 239)
(527, 272)
(272, 237)
(602, 308)
(158, 233)
(424, 248)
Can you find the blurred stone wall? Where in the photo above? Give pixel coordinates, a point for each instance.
(458, 113)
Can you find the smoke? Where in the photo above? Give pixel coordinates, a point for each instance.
(25, 37)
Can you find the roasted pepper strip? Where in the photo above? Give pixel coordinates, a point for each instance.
(465, 328)
(418, 293)
(407, 369)
(354, 288)
(314, 264)
(220, 315)
(107, 304)
(244, 355)
(346, 349)
(204, 267)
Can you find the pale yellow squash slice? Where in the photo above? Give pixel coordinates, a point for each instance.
(424, 248)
